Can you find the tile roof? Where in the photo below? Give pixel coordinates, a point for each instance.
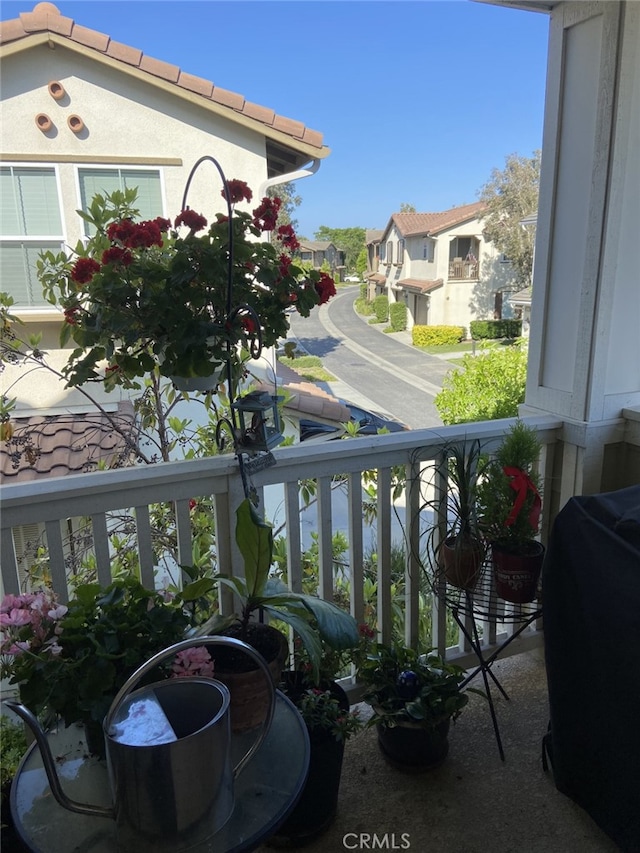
(57, 445)
(414, 224)
(46, 18)
(373, 235)
(306, 398)
(315, 245)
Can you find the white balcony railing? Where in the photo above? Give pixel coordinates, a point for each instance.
(56, 505)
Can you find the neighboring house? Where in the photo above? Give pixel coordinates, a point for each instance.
(319, 252)
(372, 276)
(441, 267)
(83, 114)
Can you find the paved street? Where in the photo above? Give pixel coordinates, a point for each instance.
(374, 369)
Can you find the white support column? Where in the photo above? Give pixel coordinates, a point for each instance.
(584, 351)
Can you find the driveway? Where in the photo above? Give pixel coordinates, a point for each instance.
(375, 370)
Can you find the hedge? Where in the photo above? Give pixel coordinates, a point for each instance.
(398, 316)
(495, 329)
(432, 336)
(381, 308)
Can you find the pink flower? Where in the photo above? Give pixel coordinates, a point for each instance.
(15, 618)
(193, 661)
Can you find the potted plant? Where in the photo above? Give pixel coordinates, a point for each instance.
(184, 298)
(69, 661)
(325, 708)
(414, 699)
(460, 555)
(314, 620)
(509, 505)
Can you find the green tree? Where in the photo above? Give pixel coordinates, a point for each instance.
(361, 263)
(487, 386)
(290, 201)
(405, 207)
(510, 195)
(349, 240)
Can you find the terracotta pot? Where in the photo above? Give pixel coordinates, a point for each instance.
(412, 747)
(516, 574)
(462, 565)
(249, 692)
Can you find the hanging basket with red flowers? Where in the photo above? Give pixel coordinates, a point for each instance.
(185, 298)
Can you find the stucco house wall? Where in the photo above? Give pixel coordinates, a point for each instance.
(138, 113)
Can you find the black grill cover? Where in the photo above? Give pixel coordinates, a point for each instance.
(591, 599)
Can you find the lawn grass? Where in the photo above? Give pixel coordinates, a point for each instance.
(308, 367)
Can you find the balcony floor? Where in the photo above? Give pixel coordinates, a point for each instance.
(473, 802)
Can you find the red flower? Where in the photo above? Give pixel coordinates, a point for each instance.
(163, 224)
(194, 221)
(285, 263)
(287, 237)
(193, 503)
(366, 632)
(237, 191)
(265, 215)
(325, 288)
(84, 269)
(249, 325)
(70, 316)
(144, 235)
(121, 230)
(116, 255)
(113, 368)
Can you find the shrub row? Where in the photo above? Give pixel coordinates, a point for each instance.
(495, 329)
(381, 308)
(431, 336)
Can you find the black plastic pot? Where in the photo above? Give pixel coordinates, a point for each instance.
(412, 747)
(318, 803)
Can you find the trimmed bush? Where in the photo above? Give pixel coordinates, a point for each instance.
(433, 336)
(381, 308)
(488, 386)
(398, 316)
(364, 290)
(485, 330)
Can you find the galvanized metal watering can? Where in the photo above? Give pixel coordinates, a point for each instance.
(168, 756)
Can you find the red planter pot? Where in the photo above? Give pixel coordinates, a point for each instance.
(516, 574)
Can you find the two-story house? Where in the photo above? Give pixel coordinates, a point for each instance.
(322, 252)
(441, 267)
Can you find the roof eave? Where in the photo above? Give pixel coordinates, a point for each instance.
(304, 151)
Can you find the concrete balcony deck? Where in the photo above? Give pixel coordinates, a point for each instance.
(473, 802)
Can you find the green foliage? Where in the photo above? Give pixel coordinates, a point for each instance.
(364, 290)
(404, 685)
(381, 308)
(349, 240)
(398, 316)
(289, 202)
(106, 634)
(13, 745)
(361, 262)
(430, 336)
(513, 466)
(495, 329)
(312, 618)
(488, 386)
(364, 307)
(510, 195)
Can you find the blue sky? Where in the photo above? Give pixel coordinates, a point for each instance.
(418, 99)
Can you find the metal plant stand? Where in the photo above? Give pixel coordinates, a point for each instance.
(482, 605)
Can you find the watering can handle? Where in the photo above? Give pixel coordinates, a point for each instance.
(206, 640)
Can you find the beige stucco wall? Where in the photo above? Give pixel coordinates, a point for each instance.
(128, 122)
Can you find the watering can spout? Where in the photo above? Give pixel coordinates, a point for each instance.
(50, 768)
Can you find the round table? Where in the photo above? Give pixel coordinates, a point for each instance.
(265, 792)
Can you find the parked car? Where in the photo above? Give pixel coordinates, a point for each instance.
(369, 423)
(352, 278)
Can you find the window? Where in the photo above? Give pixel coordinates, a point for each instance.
(427, 249)
(30, 223)
(389, 252)
(400, 252)
(382, 252)
(147, 181)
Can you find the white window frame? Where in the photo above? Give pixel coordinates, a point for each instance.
(110, 167)
(52, 242)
